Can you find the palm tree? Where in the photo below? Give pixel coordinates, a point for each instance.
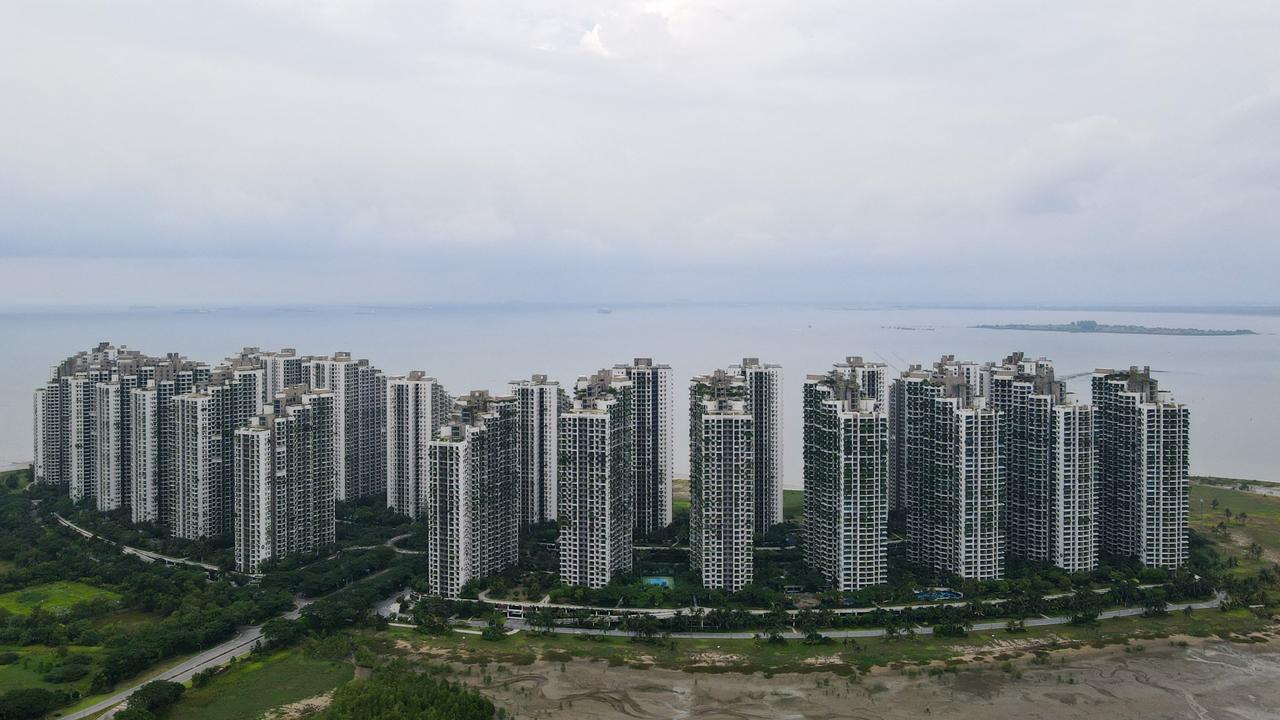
(544, 619)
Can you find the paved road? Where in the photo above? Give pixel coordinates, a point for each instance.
(241, 644)
(870, 632)
(545, 602)
(391, 543)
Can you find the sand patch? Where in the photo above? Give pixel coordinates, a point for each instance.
(711, 658)
(301, 708)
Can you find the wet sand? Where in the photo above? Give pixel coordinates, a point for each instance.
(1216, 680)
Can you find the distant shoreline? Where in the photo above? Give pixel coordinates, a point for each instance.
(1090, 326)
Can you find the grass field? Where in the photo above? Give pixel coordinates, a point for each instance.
(15, 480)
(248, 689)
(56, 596)
(1261, 524)
(793, 505)
(680, 494)
(31, 664)
(748, 656)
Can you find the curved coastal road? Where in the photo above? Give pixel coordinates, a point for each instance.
(873, 632)
(241, 644)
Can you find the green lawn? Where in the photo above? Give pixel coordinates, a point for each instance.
(680, 494)
(1261, 525)
(15, 480)
(248, 689)
(793, 505)
(20, 674)
(32, 662)
(56, 596)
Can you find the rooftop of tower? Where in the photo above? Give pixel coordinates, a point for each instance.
(472, 410)
(592, 393)
(844, 388)
(718, 384)
(535, 379)
(753, 363)
(415, 376)
(642, 363)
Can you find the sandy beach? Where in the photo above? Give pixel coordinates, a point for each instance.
(1216, 680)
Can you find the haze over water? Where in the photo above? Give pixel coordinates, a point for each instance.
(1230, 383)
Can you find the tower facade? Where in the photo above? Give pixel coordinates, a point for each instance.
(538, 405)
(1143, 441)
(596, 488)
(417, 405)
(1051, 465)
(846, 474)
(360, 431)
(281, 369)
(950, 463)
(284, 479)
(205, 422)
(471, 494)
(721, 480)
(651, 388)
(153, 418)
(764, 386)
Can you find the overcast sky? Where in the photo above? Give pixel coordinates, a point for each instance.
(176, 152)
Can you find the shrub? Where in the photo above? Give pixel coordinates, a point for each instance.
(156, 695)
(29, 703)
(65, 673)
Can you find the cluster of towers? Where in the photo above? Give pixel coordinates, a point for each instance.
(979, 461)
(972, 461)
(257, 448)
(479, 467)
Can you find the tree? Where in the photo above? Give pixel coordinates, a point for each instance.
(897, 626)
(495, 630)
(29, 703)
(544, 619)
(1255, 551)
(643, 628)
(156, 695)
(203, 677)
(1087, 616)
(400, 691)
(956, 630)
(279, 632)
(1155, 603)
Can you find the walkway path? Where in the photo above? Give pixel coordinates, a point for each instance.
(545, 602)
(873, 632)
(391, 543)
(145, 555)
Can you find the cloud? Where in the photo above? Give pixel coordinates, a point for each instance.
(942, 149)
(1059, 168)
(592, 43)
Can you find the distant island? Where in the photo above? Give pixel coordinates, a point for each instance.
(1090, 326)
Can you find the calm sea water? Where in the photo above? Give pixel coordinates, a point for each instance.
(1232, 384)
